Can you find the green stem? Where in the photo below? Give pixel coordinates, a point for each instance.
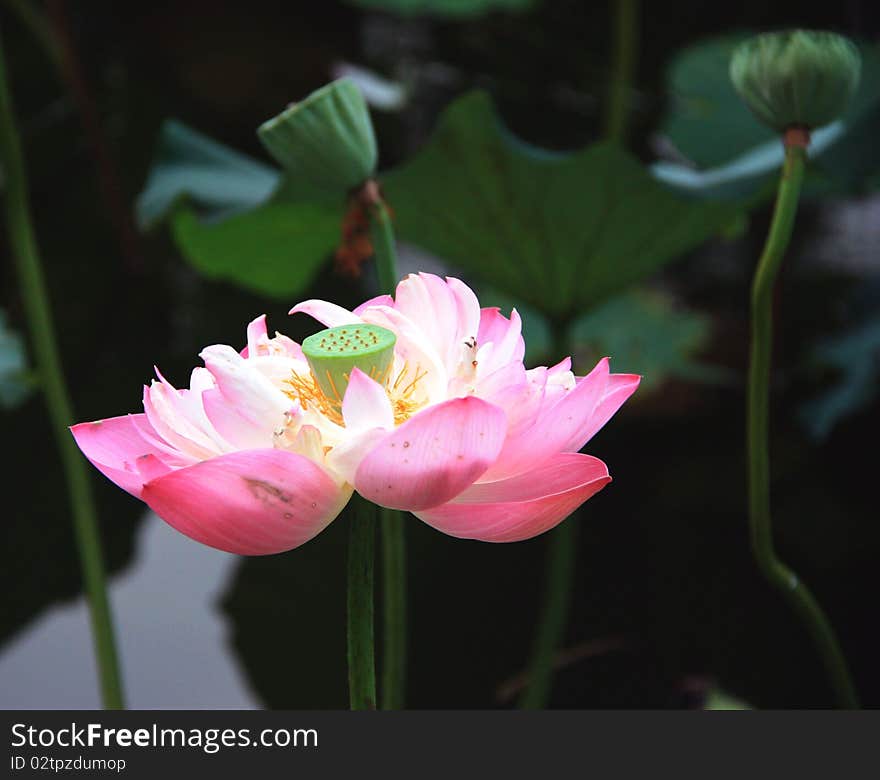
(361, 552)
(36, 303)
(776, 572)
(392, 525)
(382, 233)
(394, 607)
(560, 568)
(561, 558)
(625, 30)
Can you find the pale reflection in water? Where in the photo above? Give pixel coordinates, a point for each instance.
(172, 637)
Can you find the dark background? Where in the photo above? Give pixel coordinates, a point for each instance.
(667, 600)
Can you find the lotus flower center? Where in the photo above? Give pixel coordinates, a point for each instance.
(332, 354)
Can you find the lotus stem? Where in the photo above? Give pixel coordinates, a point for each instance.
(778, 574)
(561, 559)
(382, 233)
(361, 657)
(37, 309)
(392, 521)
(625, 36)
(394, 606)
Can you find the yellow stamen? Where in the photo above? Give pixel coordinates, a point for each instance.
(305, 389)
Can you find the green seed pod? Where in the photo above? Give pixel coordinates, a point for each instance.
(327, 138)
(333, 353)
(797, 78)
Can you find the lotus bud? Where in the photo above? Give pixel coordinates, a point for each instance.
(326, 139)
(798, 78)
(332, 354)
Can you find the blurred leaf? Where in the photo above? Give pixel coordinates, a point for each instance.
(16, 381)
(276, 249)
(709, 123)
(734, 154)
(644, 333)
(234, 218)
(856, 356)
(217, 179)
(751, 177)
(560, 231)
(707, 120)
(462, 8)
(853, 160)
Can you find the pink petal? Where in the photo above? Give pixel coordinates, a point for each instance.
(366, 403)
(379, 300)
(235, 428)
(555, 427)
(504, 334)
(260, 345)
(170, 454)
(246, 389)
(619, 388)
(521, 398)
(493, 325)
(116, 448)
(171, 413)
(328, 313)
(278, 368)
(288, 346)
(524, 506)
(200, 380)
(501, 380)
(427, 302)
(256, 333)
(498, 329)
(255, 502)
(433, 456)
(562, 367)
(467, 307)
(345, 458)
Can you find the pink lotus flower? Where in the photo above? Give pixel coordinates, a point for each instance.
(255, 459)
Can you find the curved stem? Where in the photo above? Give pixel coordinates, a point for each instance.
(776, 572)
(361, 552)
(36, 302)
(560, 568)
(392, 523)
(625, 28)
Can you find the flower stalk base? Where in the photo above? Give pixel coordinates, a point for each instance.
(361, 553)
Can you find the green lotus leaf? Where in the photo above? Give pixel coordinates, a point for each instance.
(562, 232)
